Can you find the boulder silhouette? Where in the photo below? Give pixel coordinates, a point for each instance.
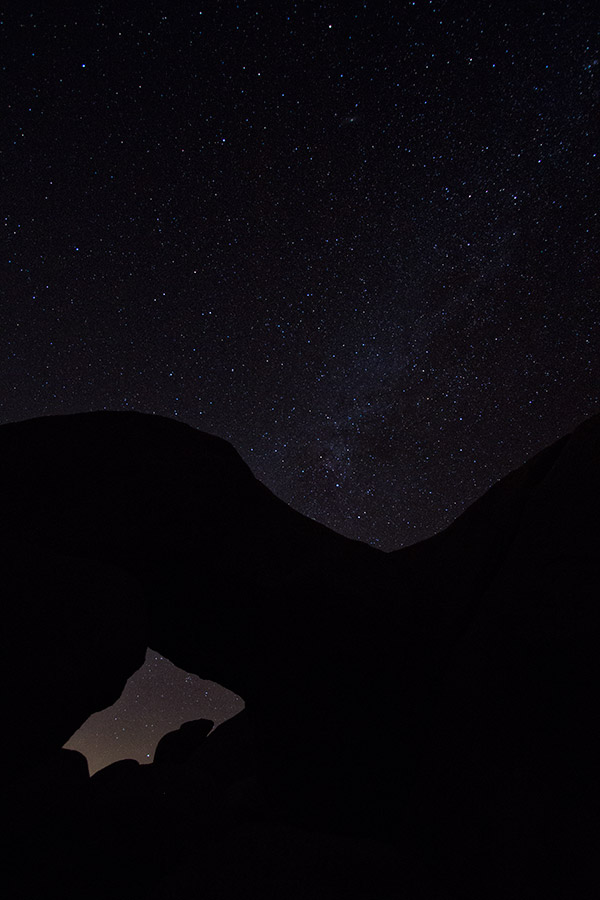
(438, 699)
(178, 746)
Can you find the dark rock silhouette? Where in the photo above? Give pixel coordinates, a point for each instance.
(426, 714)
(63, 613)
(116, 775)
(178, 746)
(514, 741)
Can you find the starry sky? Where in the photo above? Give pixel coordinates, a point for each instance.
(356, 239)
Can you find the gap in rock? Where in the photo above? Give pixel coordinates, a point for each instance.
(157, 699)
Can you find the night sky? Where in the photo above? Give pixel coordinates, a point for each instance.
(357, 240)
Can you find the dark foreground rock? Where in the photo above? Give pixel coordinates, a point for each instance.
(178, 746)
(418, 723)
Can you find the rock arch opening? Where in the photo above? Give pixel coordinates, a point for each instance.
(156, 699)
